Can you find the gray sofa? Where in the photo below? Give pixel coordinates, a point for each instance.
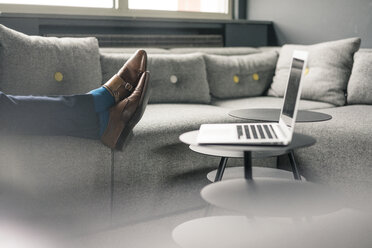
(79, 180)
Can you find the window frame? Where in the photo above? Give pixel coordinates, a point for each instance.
(120, 9)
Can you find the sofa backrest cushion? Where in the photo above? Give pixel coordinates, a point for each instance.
(34, 65)
(359, 89)
(174, 78)
(327, 73)
(131, 50)
(240, 76)
(228, 51)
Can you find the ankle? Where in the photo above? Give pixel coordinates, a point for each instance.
(103, 99)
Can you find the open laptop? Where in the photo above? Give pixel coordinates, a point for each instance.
(263, 133)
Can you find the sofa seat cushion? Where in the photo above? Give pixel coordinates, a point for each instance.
(240, 76)
(174, 78)
(156, 173)
(267, 102)
(34, 65)
(174, 119)
(342, 154)
(57, 178)
(327, 73)
(155, 166)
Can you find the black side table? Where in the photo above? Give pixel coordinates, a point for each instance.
(225, 151)
(261, 197)
(261, 115)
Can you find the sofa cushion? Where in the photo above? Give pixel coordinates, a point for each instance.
(359, 89)
(56, 178)
(149, 181)
(327, 73)
(342, 153)
(33, 65)
(267, 102)
(174, 119)
(130, 50)
(270, 48)
(229, 51)
(173, 78)
(240, 76)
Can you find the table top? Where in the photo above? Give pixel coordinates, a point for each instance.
(298, 141)
(258, 172)
(272, 115)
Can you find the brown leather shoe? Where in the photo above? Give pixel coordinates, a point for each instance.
(126, 114)
(122, 84)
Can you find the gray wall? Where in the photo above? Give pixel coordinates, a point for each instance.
(312, 21)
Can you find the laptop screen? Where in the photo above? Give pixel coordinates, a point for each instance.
(292, 87)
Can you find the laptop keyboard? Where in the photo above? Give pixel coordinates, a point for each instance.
(256, 131)
(253, 129)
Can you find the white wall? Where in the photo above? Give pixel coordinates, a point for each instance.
(312, 21)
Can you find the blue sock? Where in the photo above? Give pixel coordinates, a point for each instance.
(103, 100)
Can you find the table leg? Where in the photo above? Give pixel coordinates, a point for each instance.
(296, 173)
(277, 161)
(221, 169)
(248, 165)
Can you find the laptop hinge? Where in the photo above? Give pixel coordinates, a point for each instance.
(285, 130)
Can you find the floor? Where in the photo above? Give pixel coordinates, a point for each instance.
(265, 213)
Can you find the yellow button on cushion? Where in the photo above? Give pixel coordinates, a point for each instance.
(255, 76)
(236, 79)
(307, 70)
(58, 76)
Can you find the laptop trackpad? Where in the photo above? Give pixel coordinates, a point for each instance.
(217, 133)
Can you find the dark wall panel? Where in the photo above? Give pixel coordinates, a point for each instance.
(240, 35)
(28, 26)
(191, 32)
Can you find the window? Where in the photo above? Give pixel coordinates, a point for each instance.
(208, 9)
(209, 6)
(71, 3)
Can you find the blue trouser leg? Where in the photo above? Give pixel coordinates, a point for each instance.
(49, 115)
